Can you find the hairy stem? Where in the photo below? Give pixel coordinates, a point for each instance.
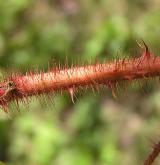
(18, 87)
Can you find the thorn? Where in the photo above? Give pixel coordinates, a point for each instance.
(145, 50)
(71, 91)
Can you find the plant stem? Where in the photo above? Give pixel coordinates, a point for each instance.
(18, 87)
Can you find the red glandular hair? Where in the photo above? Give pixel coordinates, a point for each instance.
(18, 87)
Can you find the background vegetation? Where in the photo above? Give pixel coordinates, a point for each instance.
(97, 129)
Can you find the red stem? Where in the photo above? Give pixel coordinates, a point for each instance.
(19, 87)
(32, 84)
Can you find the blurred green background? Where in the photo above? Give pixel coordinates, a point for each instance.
(98, 129)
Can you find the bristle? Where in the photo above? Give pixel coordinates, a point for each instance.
(71, 92)
(111, 86)
(4, 107)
